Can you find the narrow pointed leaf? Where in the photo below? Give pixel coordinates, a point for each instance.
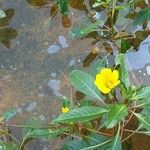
(117, 113)
(82, 114)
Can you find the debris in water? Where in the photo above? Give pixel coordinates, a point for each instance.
(54, 48)
(148, 70)
(55, 86)
(63, 41)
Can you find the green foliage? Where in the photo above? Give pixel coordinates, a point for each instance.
(81, 114)
(123, 71)
(117, 113)
(9, 114)
(94, 141)
(144, 120)
(125, 46)
(143, 15)
(101, 3)
(8, 146)
(84, 82)
(45, 133)
(141, 93)
(63, 6)
(80, 32)
(95, 67)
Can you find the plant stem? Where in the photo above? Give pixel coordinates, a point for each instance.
(132, 133)
(112, 16)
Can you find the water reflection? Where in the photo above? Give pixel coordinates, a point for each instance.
(6, 33)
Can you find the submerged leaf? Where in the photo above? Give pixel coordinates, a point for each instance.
(81, 114)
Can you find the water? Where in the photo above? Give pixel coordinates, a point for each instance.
(36, 55)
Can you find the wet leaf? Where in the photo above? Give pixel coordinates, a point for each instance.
(117, 113)
(63, 6)
(81, 114)
(143, 15)
(84, 82)
(123, 71)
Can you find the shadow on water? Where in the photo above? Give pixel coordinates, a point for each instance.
(7, 33)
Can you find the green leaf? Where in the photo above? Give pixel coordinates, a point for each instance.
(8, 146)
(128, 93)
(143, 15)
(141, 93)
(74, 145)
(101, 3)
(63, 6)
(2, 14)
(124, 46)
(45, 133)
(95, 67)
(117, 113)
(80, 32)
(144, 120)
(91, 142)
(9, 114)
(81, 114)
(94, 142)
(31, 124)
(123, 71)
(84, 82)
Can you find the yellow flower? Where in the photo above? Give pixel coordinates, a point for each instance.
(64, 109)
(106, 80)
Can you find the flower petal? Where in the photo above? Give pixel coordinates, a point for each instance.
(115, 74)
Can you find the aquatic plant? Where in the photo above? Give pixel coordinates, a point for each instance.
(100, 119)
